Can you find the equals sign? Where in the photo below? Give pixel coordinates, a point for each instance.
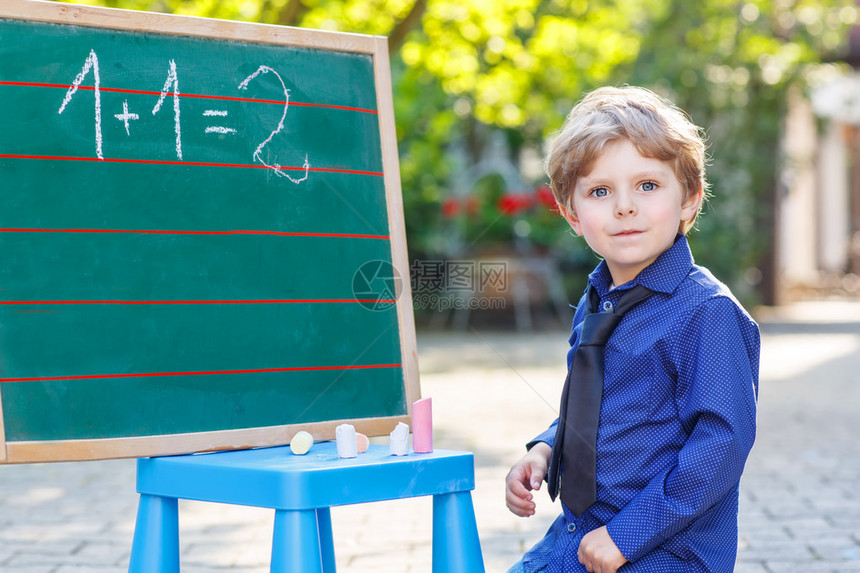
(217, 128)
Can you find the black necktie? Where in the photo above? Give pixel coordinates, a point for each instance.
(573, 459)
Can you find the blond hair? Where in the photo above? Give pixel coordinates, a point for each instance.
(656, 126)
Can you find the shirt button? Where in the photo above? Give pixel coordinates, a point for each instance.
(571, 527)
(607, 306)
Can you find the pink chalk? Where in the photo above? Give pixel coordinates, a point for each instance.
(422, 426)
(362, 442)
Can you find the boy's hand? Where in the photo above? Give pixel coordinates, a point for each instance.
(599, 553)
(526, 475)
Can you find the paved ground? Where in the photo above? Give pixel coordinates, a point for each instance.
(800, 509)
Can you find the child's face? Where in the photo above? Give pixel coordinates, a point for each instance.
(629, 208)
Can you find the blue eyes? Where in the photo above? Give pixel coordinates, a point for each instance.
(647, 186)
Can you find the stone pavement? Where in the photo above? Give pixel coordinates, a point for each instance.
(800, 498)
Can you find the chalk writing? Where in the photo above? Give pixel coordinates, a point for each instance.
(171, 89)
(125, 116)
(172, 81)
(91, 63)
(217, 128)
(258, 153)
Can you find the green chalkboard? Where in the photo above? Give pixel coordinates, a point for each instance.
(200, 231)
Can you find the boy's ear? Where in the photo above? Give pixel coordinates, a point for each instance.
(690, 207)
(571, 219)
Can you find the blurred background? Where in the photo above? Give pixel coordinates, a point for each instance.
(480, 86)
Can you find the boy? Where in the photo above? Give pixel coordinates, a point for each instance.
(652, 487)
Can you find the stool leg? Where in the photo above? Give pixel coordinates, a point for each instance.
(296, 542)
(456, 546)
(155, 548)
(326, 539)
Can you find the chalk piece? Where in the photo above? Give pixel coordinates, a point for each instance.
(422, 426)
(362, 442)
(398, 444)
(346, 444)
(301, 443)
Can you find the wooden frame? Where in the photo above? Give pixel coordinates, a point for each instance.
(125, 20)
(2, 433)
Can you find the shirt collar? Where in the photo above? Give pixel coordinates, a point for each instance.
(663, 275)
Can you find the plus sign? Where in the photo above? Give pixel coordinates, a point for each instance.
(125, 116)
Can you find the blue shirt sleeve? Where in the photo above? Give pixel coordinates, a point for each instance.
(716, 356)
(547, 436)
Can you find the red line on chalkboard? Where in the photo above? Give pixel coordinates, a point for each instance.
(191, 163)
(154, 232)
(253, 301)
(227, 98)
(201, 373)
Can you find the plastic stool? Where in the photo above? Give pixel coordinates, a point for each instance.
(301, 489)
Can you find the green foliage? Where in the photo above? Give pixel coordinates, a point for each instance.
(730, 66)
(463, 69)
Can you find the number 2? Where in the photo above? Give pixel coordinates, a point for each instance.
(258, 153)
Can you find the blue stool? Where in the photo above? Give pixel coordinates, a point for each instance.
(301, 489)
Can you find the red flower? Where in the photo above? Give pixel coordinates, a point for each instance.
(450, 207)
(545, 196)
(513, 203)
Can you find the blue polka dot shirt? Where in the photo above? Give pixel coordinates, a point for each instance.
(677, 422)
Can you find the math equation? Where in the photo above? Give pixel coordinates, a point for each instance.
(170, 94)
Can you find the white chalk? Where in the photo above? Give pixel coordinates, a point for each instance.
(398, 444)
(346, 444)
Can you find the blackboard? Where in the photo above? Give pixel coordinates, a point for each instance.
(201, 233)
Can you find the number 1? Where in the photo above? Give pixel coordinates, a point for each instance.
(91, 63)
(172, 81)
